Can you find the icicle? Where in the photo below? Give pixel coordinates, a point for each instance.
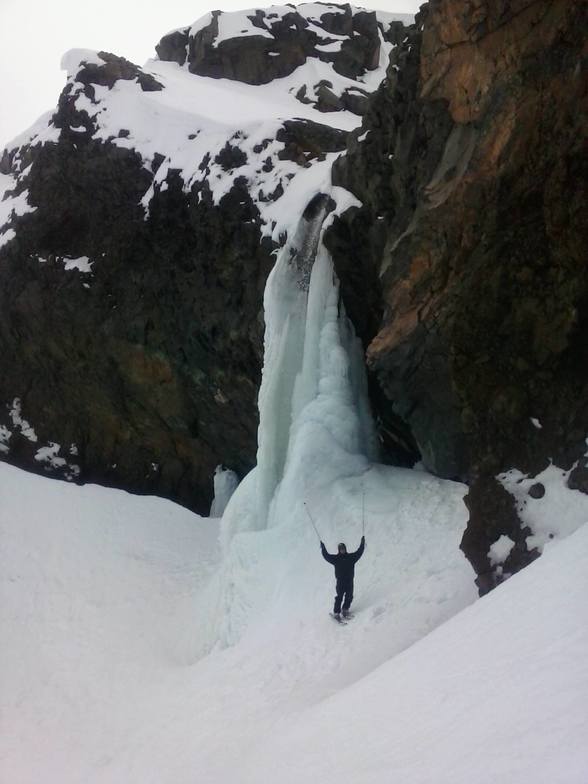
(225, 484)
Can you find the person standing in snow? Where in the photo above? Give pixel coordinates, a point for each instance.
(344, 564)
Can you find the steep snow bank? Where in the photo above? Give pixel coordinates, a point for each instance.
(499, 693)
(103, 598)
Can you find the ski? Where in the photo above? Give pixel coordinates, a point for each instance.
(340, 621)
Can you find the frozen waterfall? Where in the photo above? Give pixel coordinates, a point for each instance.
(313, 403)
(317, 447)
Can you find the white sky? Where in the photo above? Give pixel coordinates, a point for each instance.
(35, 33)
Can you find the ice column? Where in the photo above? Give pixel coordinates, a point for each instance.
(225, 484)
(312, 358)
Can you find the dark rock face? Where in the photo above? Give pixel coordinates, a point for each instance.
(305, 141)
(470, 245)
(116, 68)
(578, 478)
(148, 363)
(136, 374)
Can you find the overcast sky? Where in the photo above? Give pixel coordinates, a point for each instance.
(35, 33)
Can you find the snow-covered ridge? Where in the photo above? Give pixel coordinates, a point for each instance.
(324, 28)
(212, 132)
(260, 22)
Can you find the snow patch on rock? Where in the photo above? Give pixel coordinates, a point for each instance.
(5, 436)
(74, 59)
(49, 455)
(18, 422)
(11, 206)
(53, 461)
(557, 514)
(500, 550)
(82, 264)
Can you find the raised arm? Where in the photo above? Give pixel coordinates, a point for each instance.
(327, 556)
(359, 552)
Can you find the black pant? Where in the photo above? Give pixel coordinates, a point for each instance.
(343, 589)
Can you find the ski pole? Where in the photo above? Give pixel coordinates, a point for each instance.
(312, 522)
(363, 511)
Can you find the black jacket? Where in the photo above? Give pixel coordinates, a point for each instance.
(344, 563)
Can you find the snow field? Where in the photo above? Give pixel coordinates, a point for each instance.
(107, 601)
(103, 598)
(498, 693)
(94, 602)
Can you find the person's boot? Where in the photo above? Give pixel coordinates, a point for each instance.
(346, 614)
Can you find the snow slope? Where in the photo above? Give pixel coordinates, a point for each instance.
(498, 693)
(103, 679)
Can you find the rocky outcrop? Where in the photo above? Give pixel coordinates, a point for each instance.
(147, 362)
(271, 44)
(465, 269)
(136, 235)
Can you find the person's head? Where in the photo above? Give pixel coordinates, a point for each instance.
(341, 548)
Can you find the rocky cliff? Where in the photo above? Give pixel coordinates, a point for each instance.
(137, 227)
(470, 254)
(140, 219)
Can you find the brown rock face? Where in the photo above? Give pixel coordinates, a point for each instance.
(473, 167)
